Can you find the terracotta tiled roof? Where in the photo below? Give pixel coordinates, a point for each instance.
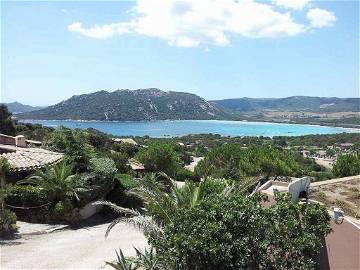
(136, 165)
(26, 159)
(125, 140)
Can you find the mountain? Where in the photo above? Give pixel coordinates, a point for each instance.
(295, 104)
(127, 105)
(17, 107)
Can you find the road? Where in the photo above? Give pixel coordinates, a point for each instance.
(84, 248)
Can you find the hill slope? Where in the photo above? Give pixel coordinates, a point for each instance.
(296, 103)
(17, 107)
(126, 105)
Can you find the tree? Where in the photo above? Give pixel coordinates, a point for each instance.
(159, 157)
(232, 161)
(347, 165)
(69, 142)
(58, 182)
(7, 125)
(4, 169)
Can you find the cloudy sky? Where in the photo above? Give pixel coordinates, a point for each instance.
(214, 48)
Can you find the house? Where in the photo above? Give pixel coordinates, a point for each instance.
(124, 140)
(23, 159)
(137, 167)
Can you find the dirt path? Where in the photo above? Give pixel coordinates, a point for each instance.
(84, 248)
(193, 164)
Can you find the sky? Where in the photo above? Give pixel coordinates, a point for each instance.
(216, 49)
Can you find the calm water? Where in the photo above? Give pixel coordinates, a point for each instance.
(185, 127)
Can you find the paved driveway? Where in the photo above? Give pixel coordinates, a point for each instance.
(84, 248)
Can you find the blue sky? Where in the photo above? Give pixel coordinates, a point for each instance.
(53, 50)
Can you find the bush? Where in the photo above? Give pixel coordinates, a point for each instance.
(236, 233)
(159, 157)
(60, 210)
(183, 174)
(29, 196)
(119, 195)
(232, 161)
(121, 161)
(7, 222)
(347, 165)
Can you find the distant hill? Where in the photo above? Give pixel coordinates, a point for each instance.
(127, 105)
(17, 107)
(295, 103)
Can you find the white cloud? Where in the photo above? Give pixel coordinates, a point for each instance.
(320, 18)
(292, 4)
(188, 23)
(100, 32)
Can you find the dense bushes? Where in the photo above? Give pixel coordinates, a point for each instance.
(27, 196)
(159, 157)
(347, 165)
(120, 196)
(236, 233)
(235, 162)
(7, 222)
(66, 141)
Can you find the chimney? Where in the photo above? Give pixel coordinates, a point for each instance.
(20, 141)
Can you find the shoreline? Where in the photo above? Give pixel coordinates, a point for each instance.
(356, 128)
(176, 128)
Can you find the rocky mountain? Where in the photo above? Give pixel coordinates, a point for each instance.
(295, 103)
(17, 107)
(127, 105)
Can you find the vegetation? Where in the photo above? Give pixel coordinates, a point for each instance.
(214, 225)
(235, 162)
(235, 233)
(7, 217)
(4, 169)
(158, 157)
(125, 105)
(66, 141)
(58, 182)
(7, 125)
(347, 165)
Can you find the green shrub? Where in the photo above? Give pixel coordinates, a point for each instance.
(159, 157)
(7, 222)
(27, 196)
(60, 210)
(120, 196)
(104, 167)
(127, 181)
(183, 174)
(347, 165)
(236, 233)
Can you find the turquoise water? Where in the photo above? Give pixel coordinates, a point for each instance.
(185, 127)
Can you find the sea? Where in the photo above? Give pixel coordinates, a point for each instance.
(177, 128)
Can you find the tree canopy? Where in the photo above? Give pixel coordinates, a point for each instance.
(159, 157)
(347, 165)
(7, 125)
(232, 161)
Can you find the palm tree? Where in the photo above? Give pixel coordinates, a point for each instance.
(58, 182)
(162, 201)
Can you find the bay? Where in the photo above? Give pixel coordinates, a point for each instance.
(185, 127)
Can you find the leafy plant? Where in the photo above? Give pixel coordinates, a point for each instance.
(122, 263)
(4, 169)
(58, 182)
(347, 165)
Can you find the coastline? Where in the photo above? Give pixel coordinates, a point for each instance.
(179, 128)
